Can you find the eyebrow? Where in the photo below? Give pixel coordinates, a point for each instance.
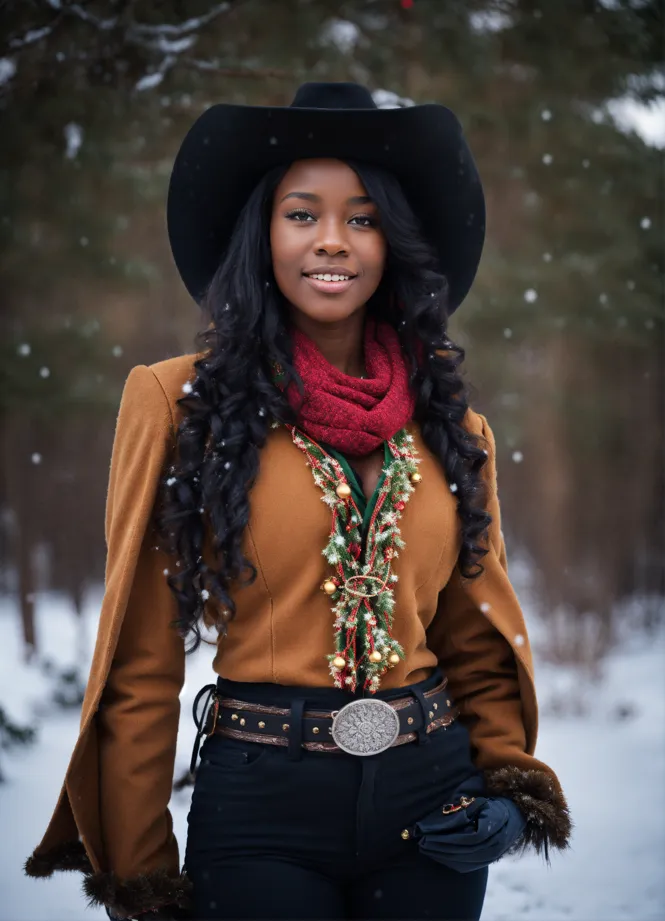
(310, 196)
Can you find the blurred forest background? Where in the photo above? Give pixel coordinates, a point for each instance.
(563, 327)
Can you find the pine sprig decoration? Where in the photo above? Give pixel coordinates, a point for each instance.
(362, 590)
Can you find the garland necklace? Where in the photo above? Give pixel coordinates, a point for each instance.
(362, 590)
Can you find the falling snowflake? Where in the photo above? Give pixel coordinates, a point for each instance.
(24, 349)
(44, 372)
(507, 333)
(518, 457)
(546, 115)
(586, 164)
(630, 284)
(227, 465)
(645, 223)
(205, 594)
(649, 324)
(165, 571)
(7, 70)
(547, 257)
(36, 458)
(530, 295)
(547, 159)
(187, 387)
(453, 487)
(603, 298)
(116, 351)
(73, 139)
(171, 481)
(519, 640)
(485, 607)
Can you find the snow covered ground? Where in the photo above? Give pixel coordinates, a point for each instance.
(610, 758)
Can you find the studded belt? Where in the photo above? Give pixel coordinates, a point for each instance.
(366, 726)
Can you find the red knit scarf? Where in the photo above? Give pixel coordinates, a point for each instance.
(354, 416)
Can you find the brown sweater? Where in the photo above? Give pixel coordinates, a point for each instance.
(118, 784)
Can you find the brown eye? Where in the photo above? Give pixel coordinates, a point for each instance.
(367, 220)
(300, 215)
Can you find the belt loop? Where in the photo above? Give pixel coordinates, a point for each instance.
(422, 732)
(295, 729)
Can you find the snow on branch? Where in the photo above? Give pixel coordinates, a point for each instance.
(32, 36)
(105, 25)
(169, 40)
(183, 28)
(155, 77)
(166, 45)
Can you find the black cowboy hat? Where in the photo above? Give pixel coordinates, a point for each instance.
(229, 148)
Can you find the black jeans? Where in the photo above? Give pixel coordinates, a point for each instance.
(320, 837)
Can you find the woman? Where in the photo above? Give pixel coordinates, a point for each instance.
(372, 671)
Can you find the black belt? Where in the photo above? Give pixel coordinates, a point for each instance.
(414, 715)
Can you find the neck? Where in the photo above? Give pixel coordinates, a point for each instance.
(340, 343)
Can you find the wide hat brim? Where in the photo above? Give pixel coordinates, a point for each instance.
(229, 148)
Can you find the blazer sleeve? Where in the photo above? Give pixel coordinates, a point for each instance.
(138, 710)
(482, 644)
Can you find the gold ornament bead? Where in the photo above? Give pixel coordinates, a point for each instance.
(410, 721)
(242, 722)
(262, 725)
(285, 726)
(406, 834)
(339, 662)
(343, 490)
(416, 478)
(375, 656)
(234, 716)
(315, 730)
(447, 703)
(436, 706)
(394, 659)
(329, 587)
(431, 714)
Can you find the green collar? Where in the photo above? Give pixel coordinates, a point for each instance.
(365, 506)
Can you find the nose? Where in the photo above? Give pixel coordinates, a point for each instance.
(331, 239)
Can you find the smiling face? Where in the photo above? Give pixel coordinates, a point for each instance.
(328, 251)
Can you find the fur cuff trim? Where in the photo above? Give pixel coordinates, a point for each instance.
(548, 822)
(70, 855)
(129, 897)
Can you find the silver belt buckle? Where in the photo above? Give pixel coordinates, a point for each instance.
(365, 727)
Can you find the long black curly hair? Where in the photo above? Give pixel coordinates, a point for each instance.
(228, 414)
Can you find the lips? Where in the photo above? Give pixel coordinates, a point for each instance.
(329, 279)
(330, 287)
